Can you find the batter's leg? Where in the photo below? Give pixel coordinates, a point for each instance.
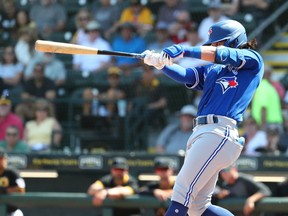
(208, 154)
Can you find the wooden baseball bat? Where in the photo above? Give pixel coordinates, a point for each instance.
(66, 48)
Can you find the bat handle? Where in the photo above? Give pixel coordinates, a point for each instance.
(139, 55)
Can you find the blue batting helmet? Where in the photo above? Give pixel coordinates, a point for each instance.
(230, 30)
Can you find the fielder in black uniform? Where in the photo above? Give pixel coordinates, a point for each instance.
(116, 185)
(10, 182)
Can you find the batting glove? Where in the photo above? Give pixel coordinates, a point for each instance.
(157, 60)
(174, 51)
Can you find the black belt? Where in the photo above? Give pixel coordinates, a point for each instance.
(204, 120)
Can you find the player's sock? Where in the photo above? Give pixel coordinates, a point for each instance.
(176, 209)
(214, 210)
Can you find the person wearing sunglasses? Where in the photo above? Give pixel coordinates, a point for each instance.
(116, 185)
(12, 142)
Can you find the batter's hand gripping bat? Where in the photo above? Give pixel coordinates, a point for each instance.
(66, 48)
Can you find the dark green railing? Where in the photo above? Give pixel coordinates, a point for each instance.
(81, 200)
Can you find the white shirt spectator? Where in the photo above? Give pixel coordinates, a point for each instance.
(257, 142)
(93, 62)
(10, 70)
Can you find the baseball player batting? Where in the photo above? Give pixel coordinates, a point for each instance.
(228, 84)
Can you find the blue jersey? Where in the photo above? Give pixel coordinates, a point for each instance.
(227, 90)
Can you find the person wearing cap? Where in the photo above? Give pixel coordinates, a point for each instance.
(161, 189)
(128, 41)
(109, 98)
(7, 117)
(241, 185)
(116, 185)
(174, 136)
(10, 182)
(215, 14)
(93, 63)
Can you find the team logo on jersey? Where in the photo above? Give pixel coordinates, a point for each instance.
(227, 83)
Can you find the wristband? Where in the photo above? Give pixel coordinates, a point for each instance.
(193, 52)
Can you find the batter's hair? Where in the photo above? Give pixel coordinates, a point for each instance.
(252, 44)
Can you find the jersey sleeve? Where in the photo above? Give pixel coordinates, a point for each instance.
(239, 58)
(192, 77)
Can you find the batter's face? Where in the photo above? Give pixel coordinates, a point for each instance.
(220, 43)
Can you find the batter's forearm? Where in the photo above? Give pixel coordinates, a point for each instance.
(206, 53)
(179, 74)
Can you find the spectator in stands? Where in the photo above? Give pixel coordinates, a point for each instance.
(255, 138)
(107, 15)
(7, 117)
(162, 38)
(267, 110)
(259, 9)
(23, 20)
(43, 132)
(11, 71)
(36, 87)
(273, 136)
(162, 189)
(173, 138)
(116, 185)
(192, 40)
(215, 14)
(93, 63)
(49, 17)
(12, 142)
(230, 7)
(139, 15)
(169, 11)
(178, 30)
(82, 18)
(128, 41)
(240, 185)
(283, 137)
(10, 182)
(276, 84)
(108, 99)
(54, 68)
(25, 45)
(8, 20)
(148, 91)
